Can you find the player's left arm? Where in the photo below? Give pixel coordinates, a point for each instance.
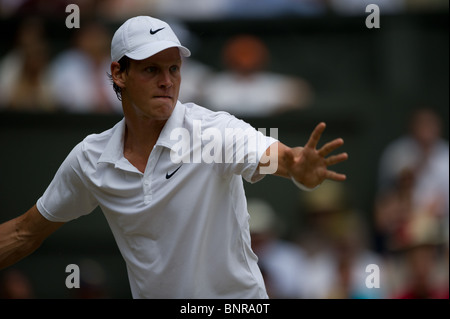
(307, 165)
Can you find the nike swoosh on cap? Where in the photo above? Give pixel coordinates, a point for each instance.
(156, 31)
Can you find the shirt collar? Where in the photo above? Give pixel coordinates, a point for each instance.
(113, 151)
(176, 120)
(114, 148)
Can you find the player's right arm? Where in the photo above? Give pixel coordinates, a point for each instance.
(22, 235)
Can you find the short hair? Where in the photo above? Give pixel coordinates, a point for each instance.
(124, 63)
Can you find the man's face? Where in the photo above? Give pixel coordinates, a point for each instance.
(151, 86)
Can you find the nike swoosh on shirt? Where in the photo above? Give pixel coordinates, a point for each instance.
(170, 175)
(156, 31)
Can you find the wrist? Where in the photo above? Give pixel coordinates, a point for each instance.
(303, 187)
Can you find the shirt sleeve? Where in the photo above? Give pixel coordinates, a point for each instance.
(67, 197)
(242, 148)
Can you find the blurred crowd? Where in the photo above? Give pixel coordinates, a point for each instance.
(34, 76)
(406, 234)
(74, 79)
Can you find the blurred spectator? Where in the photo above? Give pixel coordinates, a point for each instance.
(280, 261)
(418, 269)
(24, 83)
(246, 88)
(79, 75)
(9, 7)
(44, 8)
(393, 209)
(193, 72)
(353, 255)
(14, 284)
(317, 212)
(413, 178)
(92, 281)
(336, 241)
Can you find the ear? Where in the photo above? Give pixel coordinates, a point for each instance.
(117, 76)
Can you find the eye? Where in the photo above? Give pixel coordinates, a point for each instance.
(150, 69)
(174, 68)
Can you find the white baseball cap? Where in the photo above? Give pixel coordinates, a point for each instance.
(141, 37)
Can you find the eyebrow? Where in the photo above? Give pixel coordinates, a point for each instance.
(145, 63)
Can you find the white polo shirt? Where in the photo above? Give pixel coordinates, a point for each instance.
(182, 228)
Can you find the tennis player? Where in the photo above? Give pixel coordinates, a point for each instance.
(181, 227)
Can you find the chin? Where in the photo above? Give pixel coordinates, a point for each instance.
(153, 109)
(162, 111)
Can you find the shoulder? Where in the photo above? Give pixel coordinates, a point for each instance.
(93, 146)
(99, 139)
(195, 111)
(212, 118)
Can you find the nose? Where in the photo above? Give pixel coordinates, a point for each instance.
(165, 80)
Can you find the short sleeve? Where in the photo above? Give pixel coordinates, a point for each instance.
(67, 197)
(242, 148)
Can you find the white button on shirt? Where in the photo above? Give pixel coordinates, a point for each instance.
(182, 228)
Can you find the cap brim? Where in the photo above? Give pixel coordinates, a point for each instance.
(147, 51)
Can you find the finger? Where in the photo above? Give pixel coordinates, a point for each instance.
(315, 135)
(336, 176)
(335, 159)
(331, 146)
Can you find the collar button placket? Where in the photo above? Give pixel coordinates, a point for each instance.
(147, 178)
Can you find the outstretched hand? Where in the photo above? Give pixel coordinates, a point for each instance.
(309, 165)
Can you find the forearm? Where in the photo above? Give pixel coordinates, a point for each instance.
(22, 235)
(13, 244)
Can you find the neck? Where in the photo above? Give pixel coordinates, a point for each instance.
(140, 138)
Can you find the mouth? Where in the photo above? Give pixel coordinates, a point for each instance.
(164, 97)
